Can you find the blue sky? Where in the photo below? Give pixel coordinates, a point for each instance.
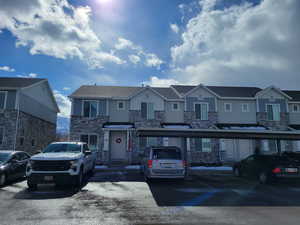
(157, 42)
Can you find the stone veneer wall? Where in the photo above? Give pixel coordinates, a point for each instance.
(83, 125)
(8, 120)
(33, 128)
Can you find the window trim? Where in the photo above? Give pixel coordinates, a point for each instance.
(202, 103)
(91, 134)
(272, 104)
(243, 110)
(210, 149)
(147, 111)
(227, 103)
(178, 107)
(298, 106)
(5, 99)
(2, 141)
(118, 108)
(97, 108)
(147, 141)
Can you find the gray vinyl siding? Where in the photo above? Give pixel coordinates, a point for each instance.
(102, 107)
(35, 108)
(294, 118)
(191, 100)
(11, 99)
(77, 107)
(237, 115)
(118, 115)
(263, 102)
(174, 116)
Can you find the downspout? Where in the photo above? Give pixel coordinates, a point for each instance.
(17, 122)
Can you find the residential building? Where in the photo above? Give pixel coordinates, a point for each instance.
(28, 113)
(106, 117)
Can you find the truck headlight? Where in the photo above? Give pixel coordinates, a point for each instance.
(73, 164)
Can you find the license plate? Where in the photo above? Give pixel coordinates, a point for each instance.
(48, 178)
(167, 165)
(291, 170)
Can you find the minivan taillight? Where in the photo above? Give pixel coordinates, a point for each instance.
(276, 170)
(150, 162)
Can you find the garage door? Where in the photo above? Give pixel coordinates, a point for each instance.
(118, 145)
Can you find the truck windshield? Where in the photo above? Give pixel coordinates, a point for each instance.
(166, 154)
(4, 157)
(62, 148)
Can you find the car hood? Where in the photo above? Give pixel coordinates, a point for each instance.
(56, 156)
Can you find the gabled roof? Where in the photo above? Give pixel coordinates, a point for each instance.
(295, 95)
(18, 82)
(228, 91)
(93, 91)
(272, 88)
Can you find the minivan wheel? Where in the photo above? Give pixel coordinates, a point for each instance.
(2, 179)
(263, 178)
(237, 172)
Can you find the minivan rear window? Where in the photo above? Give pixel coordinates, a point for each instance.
(166, 154)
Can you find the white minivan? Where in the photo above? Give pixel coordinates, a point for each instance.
(163, 162)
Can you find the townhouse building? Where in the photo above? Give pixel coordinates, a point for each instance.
(106, 117)
(28, 113)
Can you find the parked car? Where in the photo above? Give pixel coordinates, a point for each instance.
(163, 162)
(12, 165)
(268, 168)
(60, 163)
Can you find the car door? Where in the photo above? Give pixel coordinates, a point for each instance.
(247, 165)
(24, 158)
(14, 167)
(88, 159)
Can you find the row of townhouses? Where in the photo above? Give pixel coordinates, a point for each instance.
(106, 117)
(28, 114)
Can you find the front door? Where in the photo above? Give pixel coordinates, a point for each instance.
(118, 143)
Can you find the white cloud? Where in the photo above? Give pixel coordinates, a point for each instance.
(174, 27)
(149, 59)
(30, 75)
(64, 104)
(54, 28)
(242, 44)
(66, 88)
(7, 69)
(158, 82)
(134, 59)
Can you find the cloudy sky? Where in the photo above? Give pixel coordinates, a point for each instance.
(157, 42)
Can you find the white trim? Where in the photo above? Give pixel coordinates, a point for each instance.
(216, 104)
(227, 103)
(257, 105)
(118, 108)
(204, 87)
(272, 88)
(174, 89)
(201, 103)
(243, 110)
(172, 106)
(266, 110)
(82, 108)
(5, 98)
(107, 107)
(147, 88)
(293, 111)
(91, 134)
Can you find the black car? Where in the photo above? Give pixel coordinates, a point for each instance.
(268, 168)
(12, 165)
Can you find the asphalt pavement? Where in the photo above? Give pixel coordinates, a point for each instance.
(122, 197)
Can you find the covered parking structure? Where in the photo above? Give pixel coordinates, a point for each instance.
(220, 134)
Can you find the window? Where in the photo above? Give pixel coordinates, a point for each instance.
(296, 108)
(201, 110)
(90, 108)
(175, 106)
(273, 112)
(1, 135)
(151, 141)
(245, 107)
(91, 140)
(32, 142)
(203, 144)
(2, 99)
(265, 145)
(228, 107)
(147, 110)
(121, 105)
(21, 141)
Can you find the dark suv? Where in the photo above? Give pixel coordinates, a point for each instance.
(269, 167)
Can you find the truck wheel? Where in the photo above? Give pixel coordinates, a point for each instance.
(79, 178)
(2, 179)
(31, 186)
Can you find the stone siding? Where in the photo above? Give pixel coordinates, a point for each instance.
(8, 120)
(274, 125)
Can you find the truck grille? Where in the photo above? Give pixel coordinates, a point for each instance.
(51, 165)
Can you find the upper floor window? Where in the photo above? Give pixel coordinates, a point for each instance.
(2, 99)
(201, 110)
(273, 112)
(175, 106)
(228, 107)
(296, 107)
(1, 135)
(147, 110)
(245, 107)
(121, 105)
(90, 108)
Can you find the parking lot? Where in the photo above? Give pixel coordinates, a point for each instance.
(122, 197)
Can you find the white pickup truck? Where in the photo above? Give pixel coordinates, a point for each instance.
(60, 163)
